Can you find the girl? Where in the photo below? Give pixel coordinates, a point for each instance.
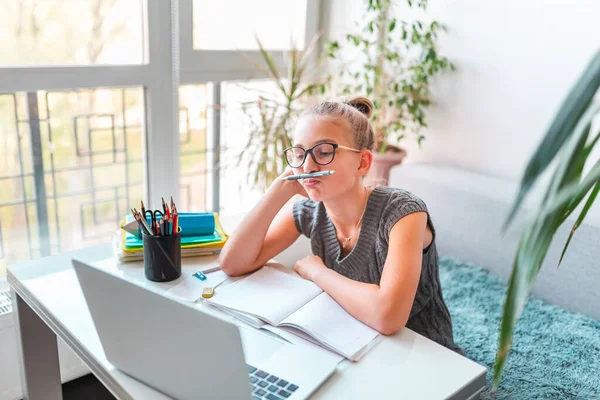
(374, 248)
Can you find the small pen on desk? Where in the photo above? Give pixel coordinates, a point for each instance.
(306, 176)
(213, 269)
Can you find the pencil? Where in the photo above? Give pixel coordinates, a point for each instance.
(139, 222)
(145, 223)
(175, 221)
(213, 269)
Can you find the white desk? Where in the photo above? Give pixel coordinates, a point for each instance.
(49, 302)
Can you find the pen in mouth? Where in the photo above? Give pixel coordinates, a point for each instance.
(307, 176)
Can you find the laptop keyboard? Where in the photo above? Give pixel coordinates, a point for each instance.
(268, 386)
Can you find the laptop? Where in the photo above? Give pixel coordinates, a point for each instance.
(187, 353)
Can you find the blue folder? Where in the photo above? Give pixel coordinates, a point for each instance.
(191, 224)
(196, 224)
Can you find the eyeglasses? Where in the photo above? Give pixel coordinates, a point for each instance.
(321, 153)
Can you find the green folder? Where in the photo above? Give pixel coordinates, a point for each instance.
(133, 243)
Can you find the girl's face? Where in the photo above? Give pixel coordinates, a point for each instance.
(346, 163)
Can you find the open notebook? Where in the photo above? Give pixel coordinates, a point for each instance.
(299, 306)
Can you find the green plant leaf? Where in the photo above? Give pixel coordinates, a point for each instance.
(583, 156)
(584, 211)
(565, 190)
(575, 192)
(569, 113)
(309, 50)
(271, 65)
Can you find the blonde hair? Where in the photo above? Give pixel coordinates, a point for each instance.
(354, 112)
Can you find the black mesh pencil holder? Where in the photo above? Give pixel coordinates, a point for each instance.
(162, 257)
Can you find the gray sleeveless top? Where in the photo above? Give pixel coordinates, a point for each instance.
(429, 315)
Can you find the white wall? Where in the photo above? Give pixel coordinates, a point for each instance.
(516, 61)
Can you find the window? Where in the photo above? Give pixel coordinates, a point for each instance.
(71, 32)
(277, 23)
(194, 102)
(217, 38)
(211, 51)
(239, 194)
(102, 104)
(71, 168)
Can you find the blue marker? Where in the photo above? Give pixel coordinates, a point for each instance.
(200, 275)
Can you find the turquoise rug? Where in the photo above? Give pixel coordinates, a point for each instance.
(555, 353)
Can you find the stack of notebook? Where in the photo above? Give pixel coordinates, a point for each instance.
(201, 234)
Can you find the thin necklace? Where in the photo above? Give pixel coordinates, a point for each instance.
(347, 239)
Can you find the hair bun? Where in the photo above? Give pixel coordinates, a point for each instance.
(362, 104)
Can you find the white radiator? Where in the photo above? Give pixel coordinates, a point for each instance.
(5, 302)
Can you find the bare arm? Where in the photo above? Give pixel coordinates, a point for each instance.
(267, 230)
(386, 307)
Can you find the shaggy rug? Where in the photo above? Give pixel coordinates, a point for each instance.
(555, 353)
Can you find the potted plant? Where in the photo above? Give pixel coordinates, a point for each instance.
(271, 117)
(398, 60)
(567, 148)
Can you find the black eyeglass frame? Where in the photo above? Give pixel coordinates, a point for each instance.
(310, 150)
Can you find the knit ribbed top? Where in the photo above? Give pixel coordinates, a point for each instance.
(429, 315)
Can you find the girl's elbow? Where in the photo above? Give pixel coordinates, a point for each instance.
(389, 322)
(389, 327)
(233, 268)
(227, 266)
(227, 269)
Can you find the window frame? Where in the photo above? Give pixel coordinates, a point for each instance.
(200, 66)
(159, 76)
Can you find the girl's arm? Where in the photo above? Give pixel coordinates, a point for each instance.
(386, 307)
(266, 231)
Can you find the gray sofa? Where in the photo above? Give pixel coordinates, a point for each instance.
(468, 210)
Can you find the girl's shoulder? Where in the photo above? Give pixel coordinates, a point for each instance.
(394, 198)
(396, 203)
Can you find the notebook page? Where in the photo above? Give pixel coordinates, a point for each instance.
(325, 320)
(268, 294)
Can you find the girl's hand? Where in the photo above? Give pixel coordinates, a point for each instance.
(309, 267)
(293, 187)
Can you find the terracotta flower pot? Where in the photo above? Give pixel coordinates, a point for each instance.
(379, 173)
